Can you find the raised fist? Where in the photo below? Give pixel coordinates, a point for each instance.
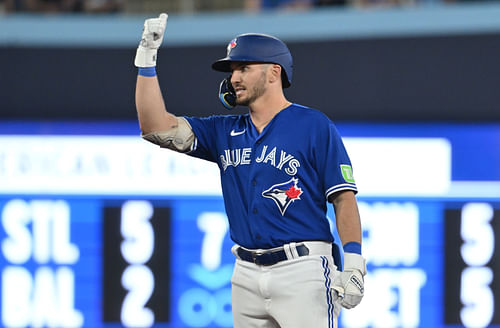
(152, 37)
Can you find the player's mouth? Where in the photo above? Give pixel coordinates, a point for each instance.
(239, 91)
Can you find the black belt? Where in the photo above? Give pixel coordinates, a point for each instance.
(269, 257)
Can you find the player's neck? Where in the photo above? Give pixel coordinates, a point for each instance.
(264, 109)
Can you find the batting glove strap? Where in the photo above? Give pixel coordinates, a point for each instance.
(349, 284)
(355, 261)
(145, 57)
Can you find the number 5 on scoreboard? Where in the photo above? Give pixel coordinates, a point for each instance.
(477, 250)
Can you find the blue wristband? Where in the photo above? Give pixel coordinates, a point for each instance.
(352, 247)
(147, 71)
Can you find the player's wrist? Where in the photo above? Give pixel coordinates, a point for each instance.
(352, 247)
(147, 71)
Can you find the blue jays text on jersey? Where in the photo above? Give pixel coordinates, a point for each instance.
(276, 184)
(235, 157)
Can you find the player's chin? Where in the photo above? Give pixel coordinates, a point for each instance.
(242, 101)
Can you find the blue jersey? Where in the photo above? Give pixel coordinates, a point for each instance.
(276, 184)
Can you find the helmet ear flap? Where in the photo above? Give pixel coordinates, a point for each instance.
(227, 95)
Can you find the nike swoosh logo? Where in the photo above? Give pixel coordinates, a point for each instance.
(237, 133)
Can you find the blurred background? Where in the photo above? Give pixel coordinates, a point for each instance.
(102, 229)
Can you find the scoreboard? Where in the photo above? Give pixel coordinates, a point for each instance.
(102, 229)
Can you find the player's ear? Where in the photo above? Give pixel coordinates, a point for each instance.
(275, 73)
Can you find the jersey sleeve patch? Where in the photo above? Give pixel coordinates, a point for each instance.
(347, 173)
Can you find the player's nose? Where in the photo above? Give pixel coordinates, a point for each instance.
(235, 77)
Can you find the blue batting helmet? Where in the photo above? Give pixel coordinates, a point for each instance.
(255, 47)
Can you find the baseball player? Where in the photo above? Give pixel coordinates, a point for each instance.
(279, 165)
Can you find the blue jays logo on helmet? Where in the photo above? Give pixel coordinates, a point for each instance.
(231, 45)
(284, 194)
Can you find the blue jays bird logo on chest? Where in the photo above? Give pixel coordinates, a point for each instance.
(284, 194)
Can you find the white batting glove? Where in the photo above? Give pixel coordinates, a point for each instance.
(349, 284)
(152, 37)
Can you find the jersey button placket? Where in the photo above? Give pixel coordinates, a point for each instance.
(254, 193)
(253, 180)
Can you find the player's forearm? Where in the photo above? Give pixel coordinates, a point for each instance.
(347, 215)
(150, 106)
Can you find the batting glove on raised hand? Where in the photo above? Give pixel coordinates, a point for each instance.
(349, 284)
(152, 37)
